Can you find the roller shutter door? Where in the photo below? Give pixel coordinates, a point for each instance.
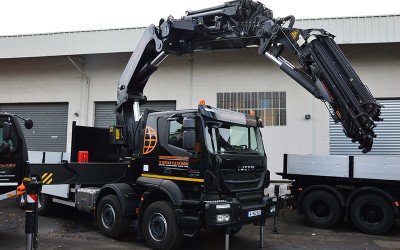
(50, 121)
(105, 116)
(388, 134)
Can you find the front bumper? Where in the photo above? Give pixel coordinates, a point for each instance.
(247, 208)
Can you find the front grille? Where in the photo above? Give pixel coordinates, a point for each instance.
(242, 181)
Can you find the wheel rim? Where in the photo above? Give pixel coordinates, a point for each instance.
(108, 216)
(320, 209)
(158, 226)
(371, 214)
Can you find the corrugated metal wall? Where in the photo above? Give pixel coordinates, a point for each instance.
(348, 30)
(49, 132)
(388, 134)
(363, 29)
(105, 116)
(70, 43)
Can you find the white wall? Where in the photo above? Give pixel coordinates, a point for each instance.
(55, 79)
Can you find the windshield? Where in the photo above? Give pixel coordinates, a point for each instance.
(234, 139)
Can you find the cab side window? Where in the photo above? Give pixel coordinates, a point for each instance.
(175, 136)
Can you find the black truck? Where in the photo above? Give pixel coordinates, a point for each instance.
(13, 154)
(177, 172)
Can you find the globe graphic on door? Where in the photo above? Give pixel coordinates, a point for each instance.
(150, 140)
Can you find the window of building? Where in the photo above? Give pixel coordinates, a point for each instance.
(270, 106)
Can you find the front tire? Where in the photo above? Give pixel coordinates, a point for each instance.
(110, 219)
(160, 227)
(321, 209)
(372, 214)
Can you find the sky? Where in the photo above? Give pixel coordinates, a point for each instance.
(21, 17)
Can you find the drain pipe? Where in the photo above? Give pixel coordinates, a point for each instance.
(80, 68)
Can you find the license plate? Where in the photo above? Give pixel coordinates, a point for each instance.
(254, 213)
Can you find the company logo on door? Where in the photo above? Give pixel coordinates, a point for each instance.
(174, 161)
(150, 140)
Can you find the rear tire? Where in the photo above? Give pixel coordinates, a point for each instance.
(321, 209)
(160, 227)
(109, 217)
(372, 214)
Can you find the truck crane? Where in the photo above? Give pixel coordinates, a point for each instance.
(325, 71)
(178, 172)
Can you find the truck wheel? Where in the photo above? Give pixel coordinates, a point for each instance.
(321, 209)
(160, 227)
(109, 217)
(45, 204)
(372, 214)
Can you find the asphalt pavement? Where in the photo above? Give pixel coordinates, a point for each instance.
(71, 229)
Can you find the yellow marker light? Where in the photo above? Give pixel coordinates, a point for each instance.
(396, 203)
(202, 102)
(294, 34)
(300, 189)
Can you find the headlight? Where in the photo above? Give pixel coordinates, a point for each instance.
(223, 206)
(222, 218)
(272, 209)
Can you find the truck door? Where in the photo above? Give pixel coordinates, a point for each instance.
(11, 156)
(173, 159)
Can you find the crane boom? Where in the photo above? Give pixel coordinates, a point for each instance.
(325, 72)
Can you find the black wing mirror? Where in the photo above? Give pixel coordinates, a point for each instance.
(6, 131)
(28, 123)
(5, 146)
(189, 133)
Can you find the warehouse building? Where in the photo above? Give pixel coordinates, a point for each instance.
(59, 78)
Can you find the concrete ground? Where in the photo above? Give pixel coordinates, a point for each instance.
(70, 229)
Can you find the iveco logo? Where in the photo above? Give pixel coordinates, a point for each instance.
(246, 168)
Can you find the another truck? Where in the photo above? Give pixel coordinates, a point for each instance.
(329, 189)
(175, 173)
(13, 154)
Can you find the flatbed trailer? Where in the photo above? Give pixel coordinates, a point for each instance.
(363, 189)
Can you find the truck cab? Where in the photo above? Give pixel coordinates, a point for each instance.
(207, 146)
(13, 154)
(211, 164)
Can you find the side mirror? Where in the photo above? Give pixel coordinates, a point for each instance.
(5, 146)
(276, 190)
(189, 133)
(28, 123)
(6, 131)
(189, 139)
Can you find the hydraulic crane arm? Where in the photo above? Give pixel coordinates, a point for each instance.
(324, 71)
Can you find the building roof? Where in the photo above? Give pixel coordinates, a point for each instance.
(348, 30)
